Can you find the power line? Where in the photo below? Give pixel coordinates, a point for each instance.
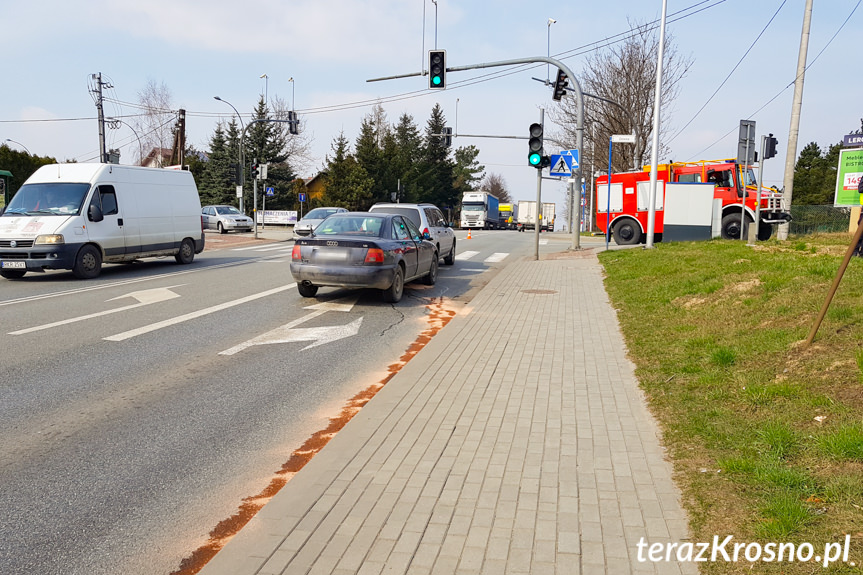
(770, 101)
(728, 77)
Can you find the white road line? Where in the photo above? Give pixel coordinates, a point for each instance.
(466, 255)
(195, 314)
(278, 247)
(496, 257)
(247, 248)
(543, 242)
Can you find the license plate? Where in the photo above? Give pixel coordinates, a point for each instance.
(13, 265)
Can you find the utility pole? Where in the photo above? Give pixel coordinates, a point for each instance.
(794, 129)
(103, 156)
(654, 152)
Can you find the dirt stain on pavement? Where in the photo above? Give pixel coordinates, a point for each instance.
(439, 315)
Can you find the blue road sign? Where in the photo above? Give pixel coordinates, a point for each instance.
(561, 165)
(271, 191)
(302, 197)
(574, 154)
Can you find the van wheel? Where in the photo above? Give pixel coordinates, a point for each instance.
(12, 274)
(88, 263)
(626, 233)
(187, 252)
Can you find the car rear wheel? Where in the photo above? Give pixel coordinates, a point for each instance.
(431, 277)
(88, 263)
(450, 259)
(13, 274)
(307, 289)
(186, 255)
(393, 294)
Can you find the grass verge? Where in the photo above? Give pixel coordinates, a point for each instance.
(766, 437)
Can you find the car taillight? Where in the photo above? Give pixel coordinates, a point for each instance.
(374, 256)
(296, 253)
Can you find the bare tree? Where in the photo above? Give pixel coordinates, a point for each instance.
(156, 125)
(626, 75)
(495, 185)
(297, 148)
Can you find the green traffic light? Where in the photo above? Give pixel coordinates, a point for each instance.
(436, 80)
(534, 159)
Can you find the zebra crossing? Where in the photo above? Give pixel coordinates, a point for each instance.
(466, 255)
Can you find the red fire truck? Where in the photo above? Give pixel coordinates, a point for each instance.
(630, 192)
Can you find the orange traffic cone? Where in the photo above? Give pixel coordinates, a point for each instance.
(468, 234)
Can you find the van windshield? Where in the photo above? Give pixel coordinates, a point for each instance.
(58, 199)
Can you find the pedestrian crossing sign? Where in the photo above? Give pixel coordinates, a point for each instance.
(561, 165)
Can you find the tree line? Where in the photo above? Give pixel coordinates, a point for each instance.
(386, 162)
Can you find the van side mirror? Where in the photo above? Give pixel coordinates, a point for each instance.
(94, 214)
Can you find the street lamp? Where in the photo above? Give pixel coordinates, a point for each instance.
(240, 151)
(266, 80)
(291, 80)
(548, 37)
(20, 144)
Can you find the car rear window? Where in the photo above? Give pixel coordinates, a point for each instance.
(351, 225)
(410, 213)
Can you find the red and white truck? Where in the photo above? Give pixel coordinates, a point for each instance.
(629, 199)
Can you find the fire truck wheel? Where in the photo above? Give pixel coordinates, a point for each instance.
(764, 231)
(626, 233)
(731, 226)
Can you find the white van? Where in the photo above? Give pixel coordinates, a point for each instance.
(76, 216)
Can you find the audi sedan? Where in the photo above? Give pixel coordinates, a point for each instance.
(364, 250)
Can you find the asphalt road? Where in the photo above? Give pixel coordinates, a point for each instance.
(138, 410)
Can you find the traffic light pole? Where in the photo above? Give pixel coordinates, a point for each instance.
(579, 117)
(538, 219)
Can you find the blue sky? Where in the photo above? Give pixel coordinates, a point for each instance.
(331, 47)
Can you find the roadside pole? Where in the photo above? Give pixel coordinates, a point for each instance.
(760, 182)
(537, 219)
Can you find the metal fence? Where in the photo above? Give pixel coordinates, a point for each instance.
(819, 219)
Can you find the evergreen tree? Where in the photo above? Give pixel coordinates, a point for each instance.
(406, 157)
(216, 185)
(467, 172)
(348, 183)
(437, 177)
(370, 156)
(815, 175)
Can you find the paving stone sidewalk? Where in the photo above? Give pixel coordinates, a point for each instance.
(517, 441)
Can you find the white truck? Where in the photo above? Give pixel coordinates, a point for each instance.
(76, 216)
(527, 216)
(479, 210)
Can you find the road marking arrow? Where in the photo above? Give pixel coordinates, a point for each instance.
(320, 335)
(195, 314)
(144, 297)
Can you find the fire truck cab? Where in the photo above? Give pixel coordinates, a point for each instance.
(627, 198)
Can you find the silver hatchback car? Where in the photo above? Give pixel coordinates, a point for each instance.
(311, 220)
(428, 218)
(225, 218)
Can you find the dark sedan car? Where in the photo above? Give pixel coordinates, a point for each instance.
(364, 250)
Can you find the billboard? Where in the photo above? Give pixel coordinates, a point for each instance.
(848, 178)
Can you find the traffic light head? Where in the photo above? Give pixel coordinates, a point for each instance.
(770, 146)
(255, 170)
(534, 146)
(559, 86)
(437, 69)
(293, 123)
